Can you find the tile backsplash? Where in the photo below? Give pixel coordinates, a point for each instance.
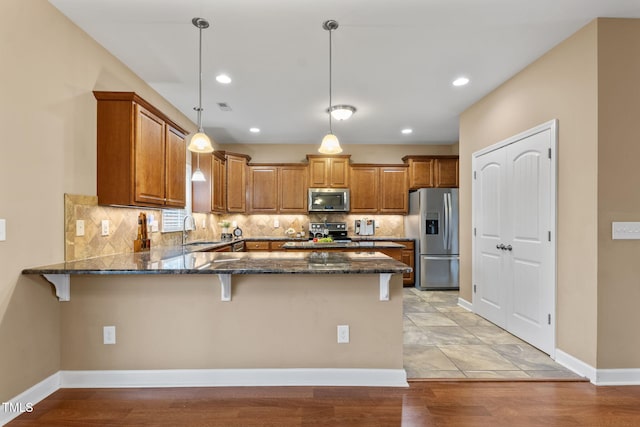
(123, 226)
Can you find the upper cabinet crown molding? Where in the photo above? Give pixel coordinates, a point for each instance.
(141, 153)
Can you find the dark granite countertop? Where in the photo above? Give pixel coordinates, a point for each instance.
(365, 245)
(179, 260)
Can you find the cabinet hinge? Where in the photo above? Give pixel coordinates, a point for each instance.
(549, 318)
(474, 289)
(549, 236)
(549, 152)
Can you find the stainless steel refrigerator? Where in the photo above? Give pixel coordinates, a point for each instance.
(433, 223)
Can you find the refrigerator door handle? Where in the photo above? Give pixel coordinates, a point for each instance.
(449, 221)
(438, 258)
(445, 219)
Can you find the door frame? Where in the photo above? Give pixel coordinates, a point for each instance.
(552, 126)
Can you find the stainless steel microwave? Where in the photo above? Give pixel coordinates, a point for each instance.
(328, 200)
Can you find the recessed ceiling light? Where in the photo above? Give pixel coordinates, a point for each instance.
(460, 81)
(406, 131)
(223, 78)
(254, 130)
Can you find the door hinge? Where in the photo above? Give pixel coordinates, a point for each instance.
(474, 289)
(474, 175)
(549, 152)
(474, 231)
(549, 235)
(549, 318)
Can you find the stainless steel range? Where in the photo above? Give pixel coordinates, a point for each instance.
(335, 230)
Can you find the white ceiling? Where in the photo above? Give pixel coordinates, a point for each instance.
(393, 60)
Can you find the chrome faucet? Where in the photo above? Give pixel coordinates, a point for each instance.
(185, 232)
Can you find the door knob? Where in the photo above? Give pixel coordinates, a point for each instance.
(500, 246)
(508, 247)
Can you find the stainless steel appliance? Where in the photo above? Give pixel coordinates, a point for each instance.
(433, 223)
(335, 230)
(328, 200)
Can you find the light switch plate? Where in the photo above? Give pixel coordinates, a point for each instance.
(625, 230)
(3, 230)
(79, 227)
(343, 334)
(105, 227)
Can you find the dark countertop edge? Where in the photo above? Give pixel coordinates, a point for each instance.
(372, 244)
(364, 270)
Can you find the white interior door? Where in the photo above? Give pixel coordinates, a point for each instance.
(489, 216)
(514, 224)
(529, 193)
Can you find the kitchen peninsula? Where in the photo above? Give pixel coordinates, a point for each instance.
(220, 318)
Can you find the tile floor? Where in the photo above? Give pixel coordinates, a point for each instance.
(444, 340)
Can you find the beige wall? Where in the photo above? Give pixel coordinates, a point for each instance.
(272, 321)
(48, 115)
(619, 191)
(561, 85)
(360, 153)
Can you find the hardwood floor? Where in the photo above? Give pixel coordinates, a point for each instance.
(432, 403)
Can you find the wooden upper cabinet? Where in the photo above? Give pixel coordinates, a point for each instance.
(237, 182)
(202, 191)
(278, 188)
(141, 153)
(176, 158)
(209, 195)
(379, 189)
(292, 185)
(432, 171)
(218, 183)
(263, 189)
(328, 171)
(394, 190)
(446, 173)
(364, 189)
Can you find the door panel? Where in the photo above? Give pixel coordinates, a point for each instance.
(439, 272)
(490, 296)
(529, 200)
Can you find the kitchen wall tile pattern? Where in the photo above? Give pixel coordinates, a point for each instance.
(123, 226)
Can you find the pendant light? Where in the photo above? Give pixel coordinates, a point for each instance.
(200, 142)
(198, 176)
(330, 143)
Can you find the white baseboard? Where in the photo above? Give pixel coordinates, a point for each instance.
(235, 377)
(25, 401)
(600, 377)
(465, 304)
(576, 365)
(617, 377)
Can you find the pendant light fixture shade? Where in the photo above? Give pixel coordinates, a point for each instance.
(200, 142)
(198, 176)
(330, 143)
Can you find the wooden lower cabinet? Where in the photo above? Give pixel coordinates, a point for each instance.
(409, 258)
(252, 246)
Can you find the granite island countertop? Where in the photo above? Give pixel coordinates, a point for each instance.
(178, 260)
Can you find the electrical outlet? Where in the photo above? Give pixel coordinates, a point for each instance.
(625, 230)
(3, 230)
(109, 335)
(343, 334)
(80, 227)
(276, 223)
(105, 227)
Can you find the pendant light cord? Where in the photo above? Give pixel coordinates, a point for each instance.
(330, 56)
(199, 109)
